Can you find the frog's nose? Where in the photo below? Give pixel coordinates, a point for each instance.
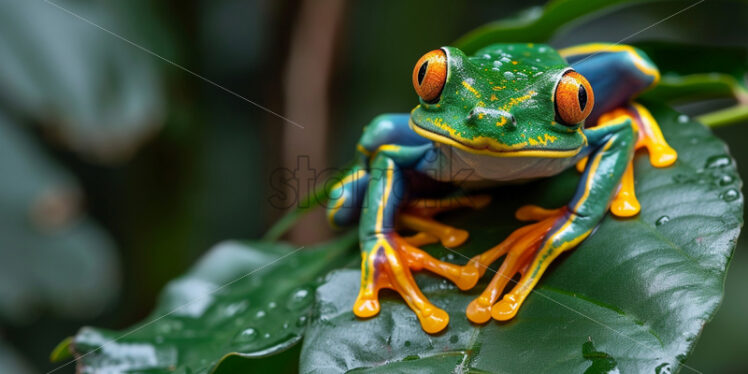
(480, 116)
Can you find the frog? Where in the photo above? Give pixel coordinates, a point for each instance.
(509, 113)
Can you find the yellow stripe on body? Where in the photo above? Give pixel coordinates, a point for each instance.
(512, 151)
(353, 177)
(386, 148)
(363, 150)
(594, 48)
(385, 196)
(540, 264)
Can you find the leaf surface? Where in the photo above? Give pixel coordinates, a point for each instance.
(631, 298)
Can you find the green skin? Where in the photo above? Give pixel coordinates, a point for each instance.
(496, 116)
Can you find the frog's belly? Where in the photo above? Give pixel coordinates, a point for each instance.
(462, 166)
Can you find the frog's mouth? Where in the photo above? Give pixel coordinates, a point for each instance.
(489, 146)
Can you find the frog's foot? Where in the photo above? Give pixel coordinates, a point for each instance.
(520, 248)
(418, 216)
(388, 264)
(625, 203)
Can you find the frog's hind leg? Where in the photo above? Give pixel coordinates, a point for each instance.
(531, 249)
(418, 216)
(519, 247)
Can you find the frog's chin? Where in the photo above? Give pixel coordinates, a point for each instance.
(493, 148)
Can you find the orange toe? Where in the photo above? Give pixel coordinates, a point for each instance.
(434, 320)
(479, 310)
(468, 278)
(366, 308)
(505, 309)
(454, 237)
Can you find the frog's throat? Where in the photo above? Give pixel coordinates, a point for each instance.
(547, 153)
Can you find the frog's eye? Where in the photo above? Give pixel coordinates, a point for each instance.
(574, 98)
(430, 74)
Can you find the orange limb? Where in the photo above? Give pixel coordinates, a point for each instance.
(625, 203)
(418, 216)
(389, 265)
(520, 248)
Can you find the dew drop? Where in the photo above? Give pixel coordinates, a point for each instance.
(301, 321)
(450, 257)
(299, 299)
(505, 59)
(407, 343)
(508, 75)
(682, 118)
(730, 195)
(497, 63)
(246, 336)
(662, 220)
(718, 161)
(272, 305)
(663, 369)
(725, 180)
(285, 325)
(266, 335)
(453, 339)
(260, 314)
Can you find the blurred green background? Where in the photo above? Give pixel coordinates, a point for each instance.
(128, 145)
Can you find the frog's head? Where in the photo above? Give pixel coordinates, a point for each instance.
(507, 100)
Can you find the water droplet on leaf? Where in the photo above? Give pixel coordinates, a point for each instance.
(718, 161)
(300, 299)
(662, 220)
(246, 336)
(730, 195)
(725, 180)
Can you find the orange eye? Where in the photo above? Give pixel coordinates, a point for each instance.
(574, 98)
(430, 74)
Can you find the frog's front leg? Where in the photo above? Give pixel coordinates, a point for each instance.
(618, 74)
(388, 258)
(532, 248)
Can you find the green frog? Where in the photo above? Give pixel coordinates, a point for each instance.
(508, 113)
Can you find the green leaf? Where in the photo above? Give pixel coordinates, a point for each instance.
(632, 298)
(537, 24)
(722, 74)
(242, 301)
(51, 255)
(97, 95)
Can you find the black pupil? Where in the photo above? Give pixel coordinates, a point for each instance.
(582, 97)
(422, 72)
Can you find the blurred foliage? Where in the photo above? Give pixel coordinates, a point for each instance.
(147, 160)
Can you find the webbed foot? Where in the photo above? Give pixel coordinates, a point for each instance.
(520, 249)
(388, 263)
